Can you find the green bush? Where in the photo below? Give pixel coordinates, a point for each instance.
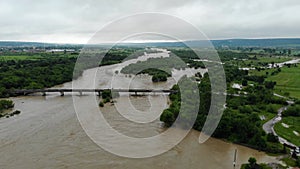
(6, 104)
(271, 109)
(167, 117)
(159, 78)
(272, 138)
(292, 111)
(107, 100)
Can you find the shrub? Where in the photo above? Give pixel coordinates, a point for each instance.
(106, 94)
(159, 78)
(101, 104)
(292, 111)
(6, 104)
(272, 138)
(107, 100)
(167, 117)
(271, 109)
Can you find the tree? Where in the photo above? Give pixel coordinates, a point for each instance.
(245, 109)
(252, 162)
(167, 117)
(6, 104)
(106, 94)
(272, 138)
(244, 82)
(292, 111)
(270, 84)
(159, 78)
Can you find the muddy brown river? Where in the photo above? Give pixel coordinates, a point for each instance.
(47, 134)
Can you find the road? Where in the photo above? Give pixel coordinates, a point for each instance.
(268, 127)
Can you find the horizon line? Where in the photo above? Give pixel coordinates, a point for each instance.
(152, 41)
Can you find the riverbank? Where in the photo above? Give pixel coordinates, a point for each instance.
(48, 135)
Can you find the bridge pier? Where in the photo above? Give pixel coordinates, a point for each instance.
(99, 94)
(43, 93)
(62, 93)
(80, 93)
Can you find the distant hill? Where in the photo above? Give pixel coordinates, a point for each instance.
(288, 43)
(23, 44)
(284, 42)
(258, 42)
(32, 44)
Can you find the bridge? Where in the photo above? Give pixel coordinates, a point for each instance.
(81, 91)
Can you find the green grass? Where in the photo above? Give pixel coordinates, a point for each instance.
(274, 59)
(267, 115)
(265, 59)
(288, 80)
(287, 133)
(289, 161)
(20, 57)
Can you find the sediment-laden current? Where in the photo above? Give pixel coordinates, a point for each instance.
(47, 133)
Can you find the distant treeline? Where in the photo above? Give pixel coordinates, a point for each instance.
(34, 74)
(50, 69)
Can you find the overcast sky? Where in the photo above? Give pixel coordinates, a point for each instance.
(76, 21)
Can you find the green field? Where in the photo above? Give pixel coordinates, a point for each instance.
(287, 133)
(264, 59)
(288, 80)
(274, 59)
(20, 57)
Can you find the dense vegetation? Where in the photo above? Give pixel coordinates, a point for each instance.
(159, 68)
(252, 164)
(33, 74)
(117, 55)
(6, 104)
(107, 96)
(241, 122)
(43, 70)
(293, 110)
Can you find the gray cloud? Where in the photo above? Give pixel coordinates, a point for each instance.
(76, 21)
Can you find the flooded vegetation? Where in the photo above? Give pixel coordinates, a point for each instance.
(48, 134)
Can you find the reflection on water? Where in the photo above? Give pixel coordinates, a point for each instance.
(47, 133)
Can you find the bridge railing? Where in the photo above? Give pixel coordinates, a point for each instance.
(62, 91)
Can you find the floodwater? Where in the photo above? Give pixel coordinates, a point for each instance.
(47, 134)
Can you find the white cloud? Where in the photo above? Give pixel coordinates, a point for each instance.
(76, 21)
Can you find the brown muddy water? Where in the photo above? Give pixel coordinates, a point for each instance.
(47, 134)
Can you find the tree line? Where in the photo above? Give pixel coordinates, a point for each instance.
(240, 122)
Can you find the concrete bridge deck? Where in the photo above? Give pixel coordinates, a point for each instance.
(80, 91)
